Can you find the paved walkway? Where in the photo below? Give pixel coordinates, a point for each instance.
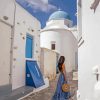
(47, 94)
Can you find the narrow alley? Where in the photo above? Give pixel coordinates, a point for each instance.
(47, 94)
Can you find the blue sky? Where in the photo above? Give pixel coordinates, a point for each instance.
(42, 9)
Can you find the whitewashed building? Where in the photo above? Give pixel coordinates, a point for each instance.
(89, 50)
(17, 26)
(57, 36)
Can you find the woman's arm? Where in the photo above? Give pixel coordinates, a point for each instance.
(64, 72)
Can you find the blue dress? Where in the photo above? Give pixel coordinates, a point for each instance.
(59, 94)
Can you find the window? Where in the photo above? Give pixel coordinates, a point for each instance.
(53, 45)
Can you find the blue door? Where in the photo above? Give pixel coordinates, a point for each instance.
(29, 46)
(33, 74)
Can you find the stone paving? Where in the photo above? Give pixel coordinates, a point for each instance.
(47, 93)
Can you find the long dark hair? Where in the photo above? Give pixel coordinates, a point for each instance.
(60, 62)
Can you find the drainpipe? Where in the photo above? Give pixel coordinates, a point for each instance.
(12, 43)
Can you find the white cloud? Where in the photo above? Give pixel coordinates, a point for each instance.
(42, 5)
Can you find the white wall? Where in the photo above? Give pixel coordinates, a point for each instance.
(66, 45)
(69, 47)
(48, 64)
(7, 8)
(89, 51)
(59, 23)
(75, 32)
(47, 36)
(5, 47)
(24, 24)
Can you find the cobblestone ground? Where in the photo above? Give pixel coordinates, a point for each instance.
(47, 93)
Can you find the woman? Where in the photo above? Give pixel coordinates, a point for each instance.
(59, 94)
